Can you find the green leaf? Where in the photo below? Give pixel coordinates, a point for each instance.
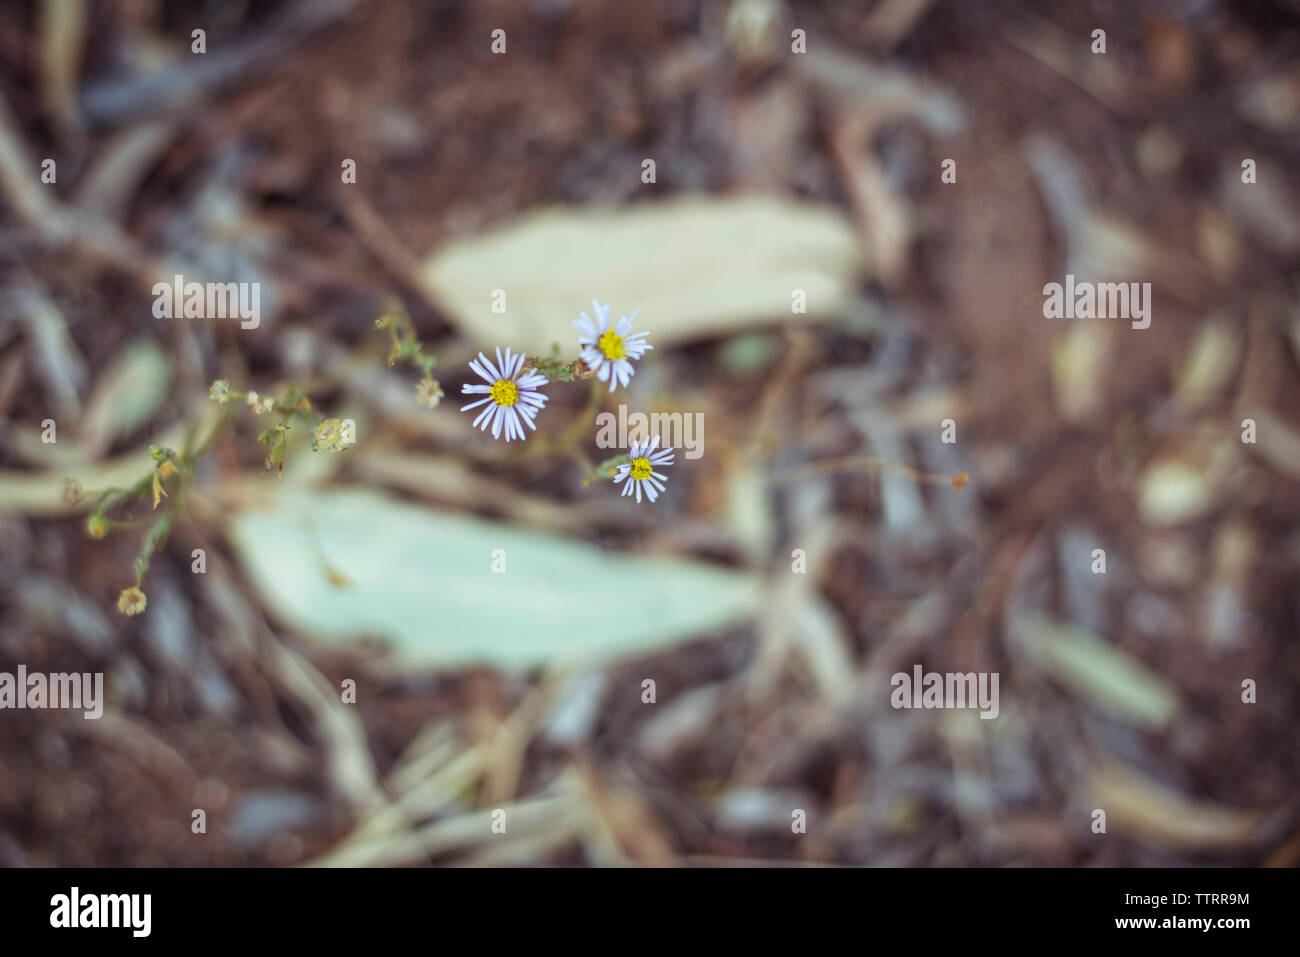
(1101, 673)
(424, 580)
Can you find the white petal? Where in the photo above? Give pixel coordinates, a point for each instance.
(492, 370)
(474, 405)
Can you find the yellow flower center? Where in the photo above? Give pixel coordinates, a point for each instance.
(641, 468)
(504, 392)
(612, 345)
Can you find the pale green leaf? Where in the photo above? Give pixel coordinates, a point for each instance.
(693, 267)
(1173, 492)
(341, 564)
(129, 392)
(1099, 672)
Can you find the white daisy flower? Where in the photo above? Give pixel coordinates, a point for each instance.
(639, 469)
(512, 400)
(608, 348)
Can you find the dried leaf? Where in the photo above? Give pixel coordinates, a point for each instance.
(62, 31)
(693, 267)
(1137, 805)
(1173, 492)
(1079, 363)
(1209, 364)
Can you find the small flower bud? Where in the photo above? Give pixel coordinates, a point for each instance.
(97, 526)
(220, 391)
(429, 392)
(132, 601)
(331, 436)
(260, 404)
(73, 493)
